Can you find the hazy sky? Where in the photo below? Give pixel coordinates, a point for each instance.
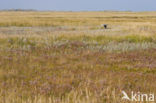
(80, 5)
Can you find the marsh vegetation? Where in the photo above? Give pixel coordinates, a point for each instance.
(67, 57)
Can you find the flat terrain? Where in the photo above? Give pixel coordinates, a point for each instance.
(68, 57)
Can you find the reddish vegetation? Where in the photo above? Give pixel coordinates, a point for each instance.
(58, 71)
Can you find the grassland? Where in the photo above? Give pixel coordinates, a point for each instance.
(67, 57)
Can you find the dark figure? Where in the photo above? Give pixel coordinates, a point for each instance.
(105, 26)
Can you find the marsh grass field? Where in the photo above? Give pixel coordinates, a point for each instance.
(67, 57)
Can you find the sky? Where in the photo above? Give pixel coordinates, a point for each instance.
(80, 5)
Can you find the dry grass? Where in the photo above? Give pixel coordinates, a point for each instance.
(66, 57)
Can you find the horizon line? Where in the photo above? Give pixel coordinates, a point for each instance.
(75, 10)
